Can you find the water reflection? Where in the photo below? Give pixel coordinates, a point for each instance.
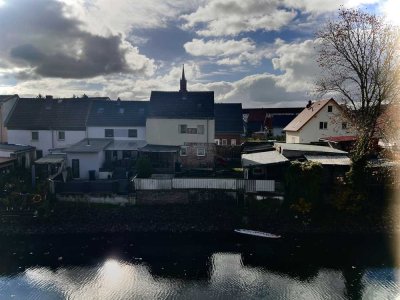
(196, 268)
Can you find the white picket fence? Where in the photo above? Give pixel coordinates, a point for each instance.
(250, 186)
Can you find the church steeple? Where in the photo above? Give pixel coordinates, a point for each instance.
(183, 81)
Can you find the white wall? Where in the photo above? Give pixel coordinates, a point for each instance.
(166, 131)
(311, 131)
(6, 108)
(87, 162)
(47, 139)
(120, 133)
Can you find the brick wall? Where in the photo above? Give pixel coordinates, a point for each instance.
(192, 160)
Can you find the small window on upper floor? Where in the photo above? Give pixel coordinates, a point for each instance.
(200, 129)
(216, 141)
(344, 125)
(330, 108)
(35, 135)
(224, 142)
(108, 132)
(132, 133)
(233, 142)
(61, 135)
(323, 125)
(182, 128)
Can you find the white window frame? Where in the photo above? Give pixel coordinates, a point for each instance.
(224, 142)
(181, 127)
(58, 135)
(105, 130)
(133, 130)
(217, 141)
(183, 153)
(32, 132)
(200, 129)
(201, 152)
(233, 142)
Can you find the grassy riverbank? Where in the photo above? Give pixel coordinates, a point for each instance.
(209, 216)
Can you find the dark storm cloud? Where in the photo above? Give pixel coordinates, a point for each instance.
(38, 34)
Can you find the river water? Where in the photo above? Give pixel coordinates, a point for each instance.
(200, 266)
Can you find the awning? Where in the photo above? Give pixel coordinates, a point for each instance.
(262, 158)
(160, 148)
(341, 160)
(50, 159)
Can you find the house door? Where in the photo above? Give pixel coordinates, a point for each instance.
(75, 168)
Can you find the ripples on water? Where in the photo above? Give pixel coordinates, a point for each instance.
(196, 267)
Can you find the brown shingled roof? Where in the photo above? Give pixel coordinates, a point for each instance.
(306, 115)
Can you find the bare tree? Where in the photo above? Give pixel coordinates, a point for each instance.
(359, 56)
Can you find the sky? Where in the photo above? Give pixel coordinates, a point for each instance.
(257, 52)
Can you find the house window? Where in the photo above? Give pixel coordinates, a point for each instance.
(39, 154)
(344, 125)
(200, 129)
(182, 128)
(323, 125)
(233, 142)
(224, 142)
(132, 133)
(216, 141)
(35, 135)
(191, 130)
(201, 152)
(183, 151)
(330, 107)
(61, 135)
(109, 132)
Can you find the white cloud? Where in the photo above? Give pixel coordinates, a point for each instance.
(298, 62)
(232, 17)
(198, 47)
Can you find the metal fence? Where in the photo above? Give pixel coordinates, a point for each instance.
(250, 186)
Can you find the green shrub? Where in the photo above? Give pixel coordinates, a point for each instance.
(143, 167)
(303, 186)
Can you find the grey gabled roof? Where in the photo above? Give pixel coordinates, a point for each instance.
(263, 158)
(228, 118)
(45, 114)
(15, 147)
(89, 146)
(118, 113)
(182, 105)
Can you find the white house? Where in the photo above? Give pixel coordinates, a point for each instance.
(47, 123)
(86, 157)
(124, 122)
(180, 128)
(319, 120)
